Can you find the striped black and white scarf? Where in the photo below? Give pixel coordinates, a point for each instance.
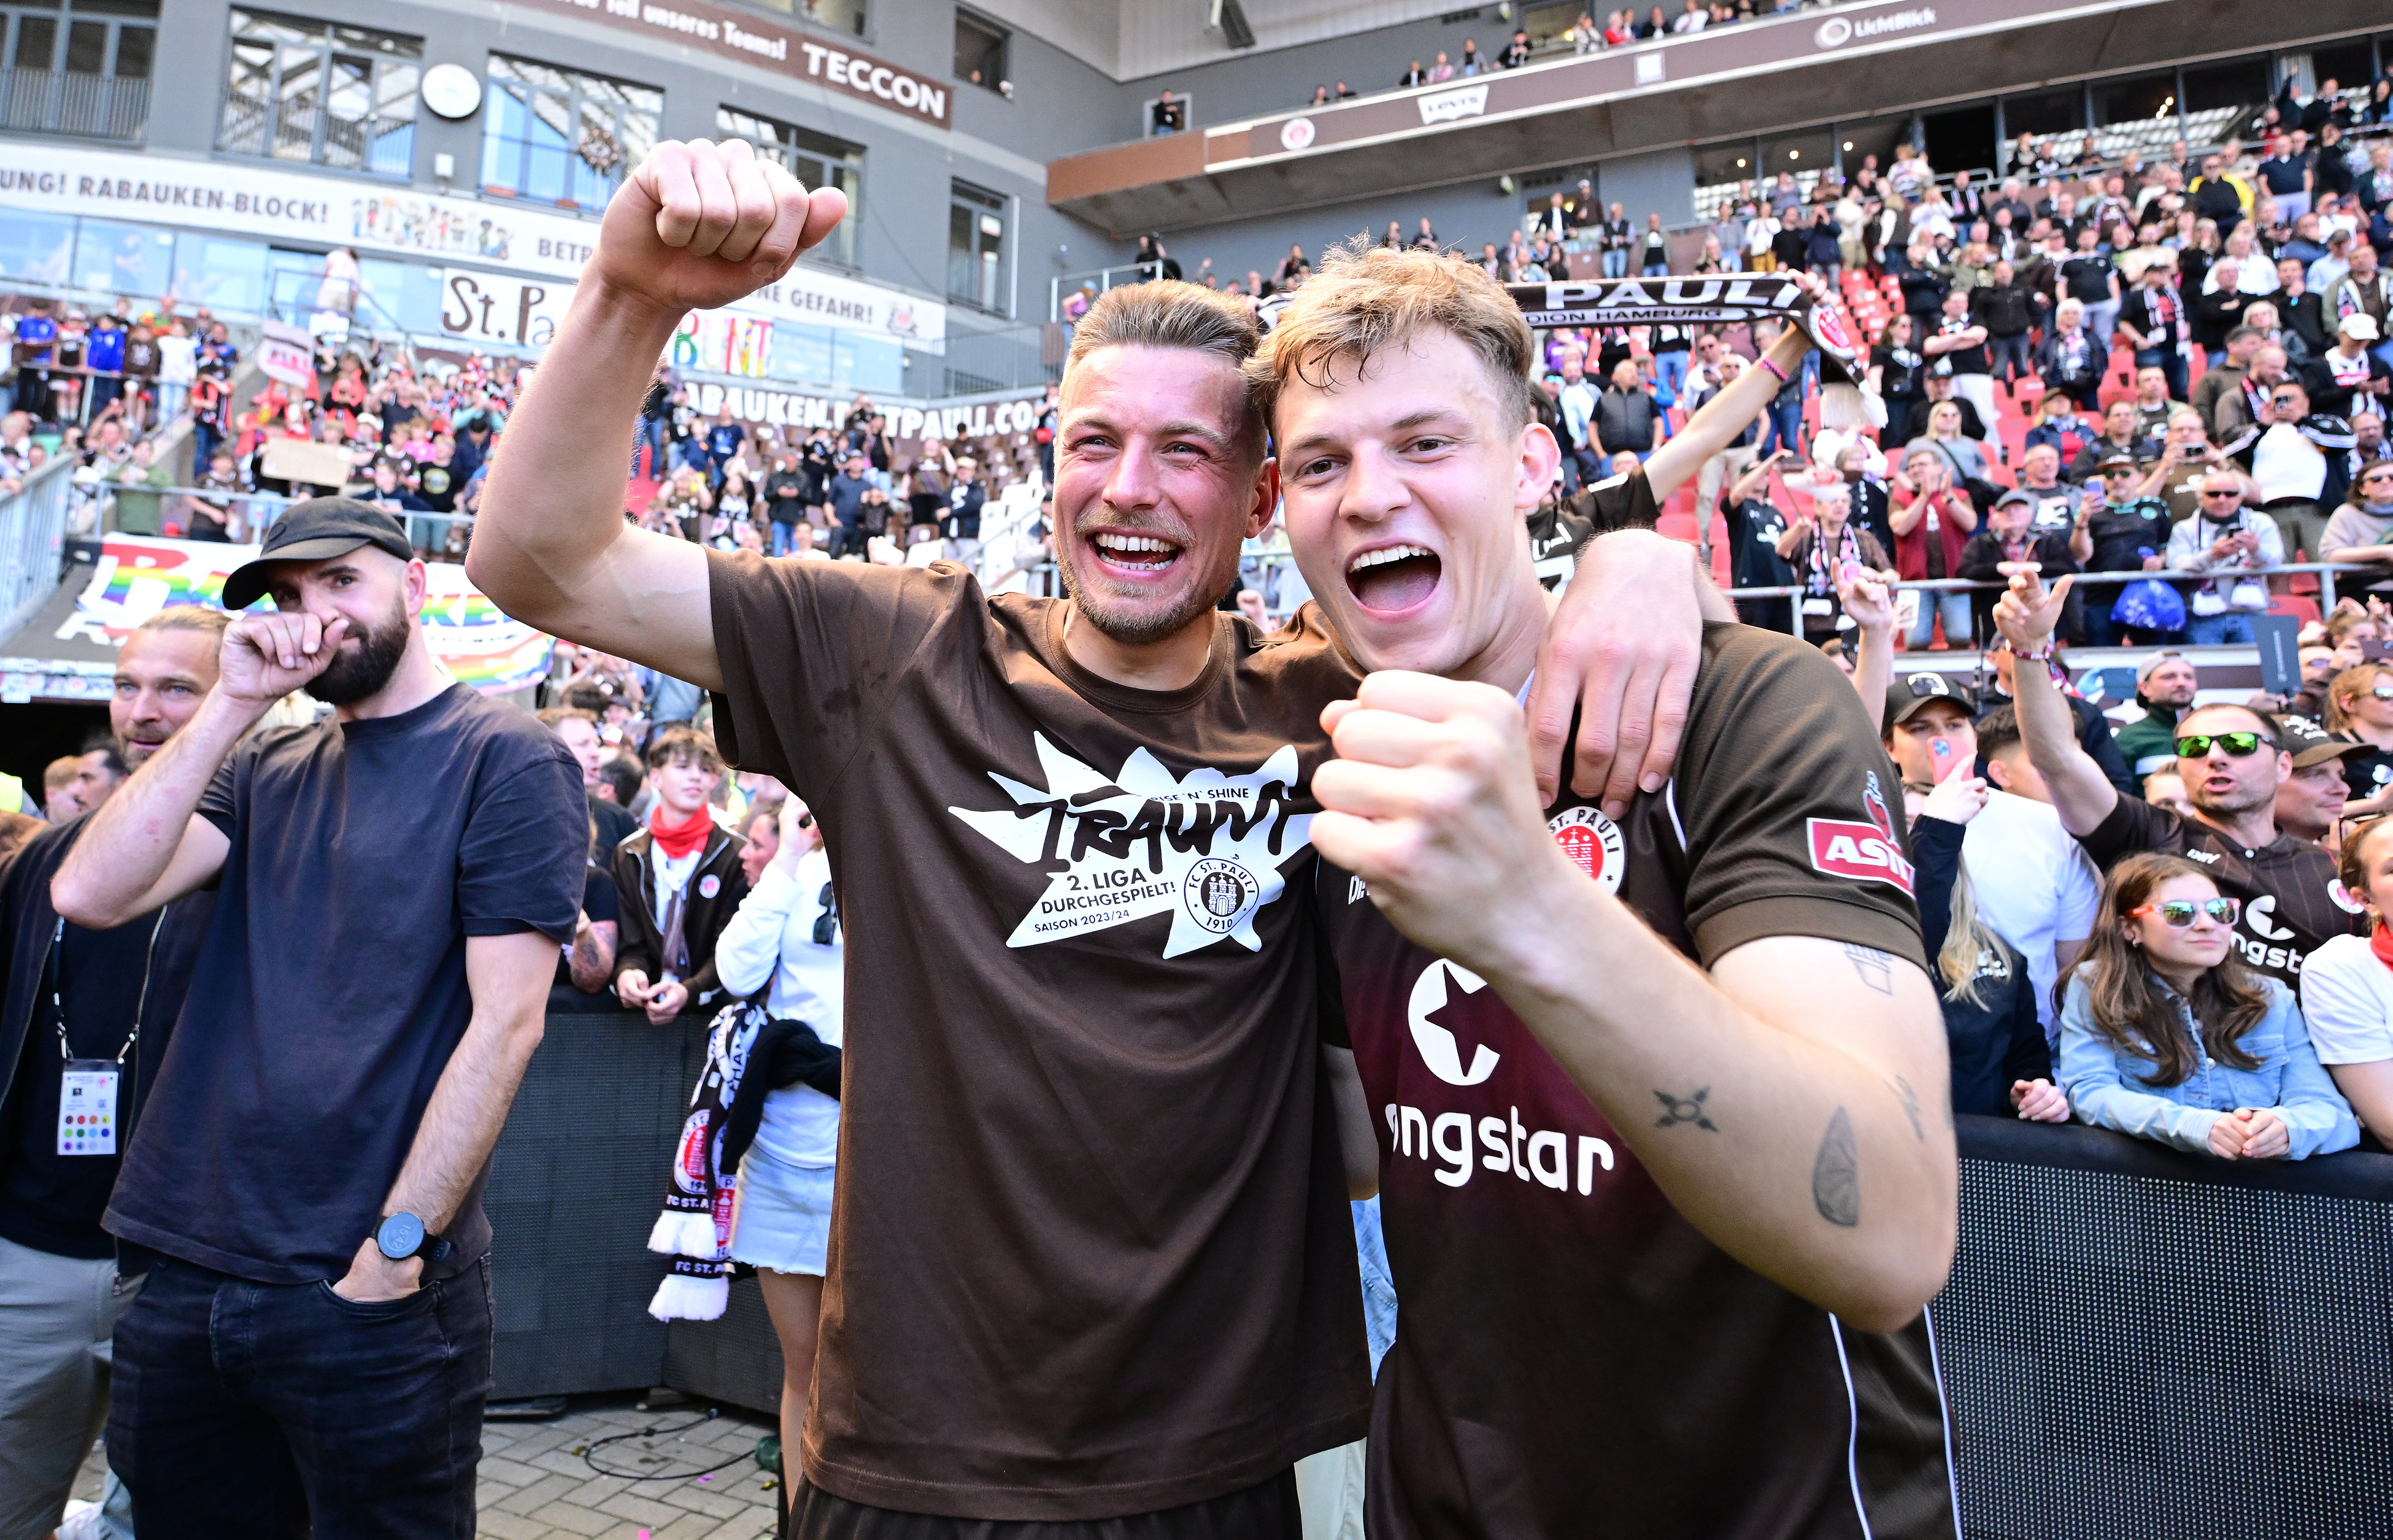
(1717, 299)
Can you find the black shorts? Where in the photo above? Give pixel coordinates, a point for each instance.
(1266, 1511)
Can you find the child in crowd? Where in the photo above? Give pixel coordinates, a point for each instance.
(2165, 1035)
(677, 883)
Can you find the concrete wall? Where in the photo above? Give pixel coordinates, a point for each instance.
(1060, 104)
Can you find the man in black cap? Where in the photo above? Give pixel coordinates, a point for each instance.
(2310, 802)
(2011, 538)
(2033, 887)
(393, 881)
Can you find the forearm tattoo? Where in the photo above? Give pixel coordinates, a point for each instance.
(1876, 969)
(1836, 1175)
(1909, 1100)
(1684, 1109)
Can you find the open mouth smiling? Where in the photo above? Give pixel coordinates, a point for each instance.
(1390, 579)
(1141, 555)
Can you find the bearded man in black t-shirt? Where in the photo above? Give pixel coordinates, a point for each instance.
(1662, 1227)
(310, 1160)
(2232, 759)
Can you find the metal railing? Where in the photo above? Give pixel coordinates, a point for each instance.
(1101, 278)
(67, 102)
(2325, 571)
(258, 510)
(1014, 357)
(34, 541)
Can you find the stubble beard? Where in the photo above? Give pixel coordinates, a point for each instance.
(1127, 625)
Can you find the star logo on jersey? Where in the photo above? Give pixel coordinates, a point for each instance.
(1205, 848)
(1439, 1049)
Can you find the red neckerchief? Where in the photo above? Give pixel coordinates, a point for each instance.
(2382, 944)
(678, 840)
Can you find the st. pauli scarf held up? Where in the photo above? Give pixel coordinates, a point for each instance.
(747, 1053)
(1718, 297)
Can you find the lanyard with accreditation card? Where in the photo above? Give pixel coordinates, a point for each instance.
(87, 1088)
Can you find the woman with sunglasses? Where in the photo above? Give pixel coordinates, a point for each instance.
(2166, 1035)
(785, 940)
(2360, 710)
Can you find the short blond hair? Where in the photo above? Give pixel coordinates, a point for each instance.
(1367, 299)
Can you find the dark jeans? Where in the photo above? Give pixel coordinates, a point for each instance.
(1782, 430)
(204, 440)
(2008, 358)
(1776, 615)
(848, 539)
(262, 1410)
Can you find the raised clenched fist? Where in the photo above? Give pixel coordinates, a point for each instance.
(699, 225)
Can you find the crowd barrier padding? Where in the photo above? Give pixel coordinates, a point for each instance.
(2136, 1344)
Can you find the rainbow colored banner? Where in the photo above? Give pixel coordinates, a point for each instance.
(139, 575)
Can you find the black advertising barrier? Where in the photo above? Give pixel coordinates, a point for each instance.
(576, 1182)
(2136, 1344)
(2139, 1343)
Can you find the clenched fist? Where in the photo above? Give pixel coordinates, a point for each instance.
(699, 225)
(1432, 803)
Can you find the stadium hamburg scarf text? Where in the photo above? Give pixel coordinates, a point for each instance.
(1675, 301)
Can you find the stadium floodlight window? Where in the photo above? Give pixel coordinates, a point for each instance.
(847, 16)
(976, 219)
(981, 48)
(558, 135)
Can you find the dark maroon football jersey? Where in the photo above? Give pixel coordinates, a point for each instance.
(1572, 1357)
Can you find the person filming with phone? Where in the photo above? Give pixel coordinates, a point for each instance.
(2224, 542)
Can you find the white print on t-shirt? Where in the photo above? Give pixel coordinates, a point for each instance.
(1540, 1154)
(1205, 848)
(1437, 1045)
(1865, 851)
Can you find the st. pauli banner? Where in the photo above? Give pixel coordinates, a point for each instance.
(797, 410)
(269, 203)
(138, 575)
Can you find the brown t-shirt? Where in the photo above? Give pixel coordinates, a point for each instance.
(1573, 1358)
(1091, 1254)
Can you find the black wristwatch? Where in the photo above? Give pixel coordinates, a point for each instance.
(404, 1235)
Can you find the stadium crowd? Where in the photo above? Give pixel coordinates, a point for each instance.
(2165, 920)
